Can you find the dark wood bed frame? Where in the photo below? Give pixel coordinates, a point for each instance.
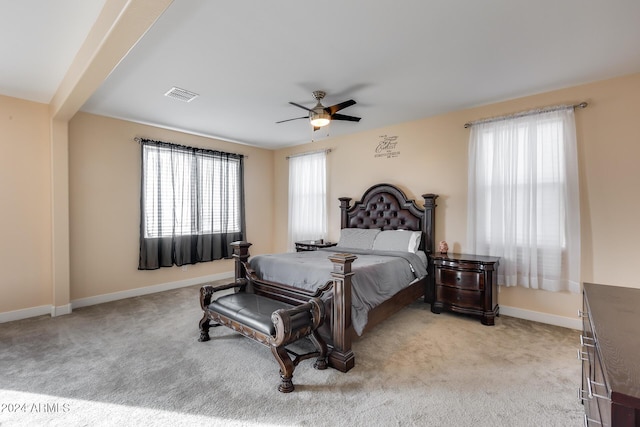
(383, 206)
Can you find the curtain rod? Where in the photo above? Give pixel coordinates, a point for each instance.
(526, 113)
(326, 151)
(139, 140)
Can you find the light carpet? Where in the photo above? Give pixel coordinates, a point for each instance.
(138, 362)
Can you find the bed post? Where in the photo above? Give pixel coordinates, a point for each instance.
(241, 255)
(342, 357)
(429, 228)
(344, 207)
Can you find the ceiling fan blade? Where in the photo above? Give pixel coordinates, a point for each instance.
(301, 106)
(344, 117)
(335, 108)
(297, 118)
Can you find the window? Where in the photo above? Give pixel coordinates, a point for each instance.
(523, 198)
(191, 204)
(307, 197)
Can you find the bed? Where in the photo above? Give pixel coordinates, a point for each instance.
(370, 255)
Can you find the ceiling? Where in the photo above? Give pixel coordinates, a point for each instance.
(400, 61)
(39, 40)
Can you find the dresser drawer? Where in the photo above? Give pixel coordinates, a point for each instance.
(610, 369)
(459, 297)
(460, 279)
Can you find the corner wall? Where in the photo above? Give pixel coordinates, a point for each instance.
(25, 218)
(104, 176)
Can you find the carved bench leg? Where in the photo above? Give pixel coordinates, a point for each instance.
(204, 328)
(286, 369)
(205, 299)
(321, 346)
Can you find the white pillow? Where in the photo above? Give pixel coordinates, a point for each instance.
(398, 240)
(358, 238)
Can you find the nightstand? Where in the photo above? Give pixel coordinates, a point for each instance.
(312, 245)
(466, 284)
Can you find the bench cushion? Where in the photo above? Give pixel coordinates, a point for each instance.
(255, 311)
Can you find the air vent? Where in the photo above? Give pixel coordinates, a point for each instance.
(181, 94)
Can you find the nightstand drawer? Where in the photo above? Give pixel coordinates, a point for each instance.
(459, 297)
(460, 279)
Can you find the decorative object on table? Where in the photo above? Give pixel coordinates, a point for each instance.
(443, 248)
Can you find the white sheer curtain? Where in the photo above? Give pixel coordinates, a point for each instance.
(307, 197)
(523, 199)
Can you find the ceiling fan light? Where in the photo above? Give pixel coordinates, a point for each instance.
(320, 119)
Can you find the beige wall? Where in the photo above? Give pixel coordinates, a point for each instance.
(25, 194)
(104, 191)
(433, 158)
(104, 176)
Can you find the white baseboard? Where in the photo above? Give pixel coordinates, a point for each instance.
(52, 310)
(99, 299)
(536, 316)
(25, 313)
(60, 310)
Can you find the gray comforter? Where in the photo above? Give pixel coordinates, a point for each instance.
(378, 274)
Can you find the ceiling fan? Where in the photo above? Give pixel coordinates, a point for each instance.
(320, 115)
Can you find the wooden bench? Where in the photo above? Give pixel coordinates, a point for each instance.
(273, 323)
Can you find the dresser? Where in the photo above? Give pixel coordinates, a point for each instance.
(466, 283)
(610, 354)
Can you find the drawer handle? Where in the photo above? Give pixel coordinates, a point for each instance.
(592, 394)
(583, 355)
(582, 395)
(590, 420)
(582, 314)
(587, 341)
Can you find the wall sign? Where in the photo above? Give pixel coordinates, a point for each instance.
(387, 147)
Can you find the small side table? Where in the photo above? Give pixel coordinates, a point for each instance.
(466, 284)
(312, 245)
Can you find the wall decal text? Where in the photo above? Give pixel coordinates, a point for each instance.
(387, 147)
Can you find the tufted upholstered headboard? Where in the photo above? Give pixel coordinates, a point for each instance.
(386, 207)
